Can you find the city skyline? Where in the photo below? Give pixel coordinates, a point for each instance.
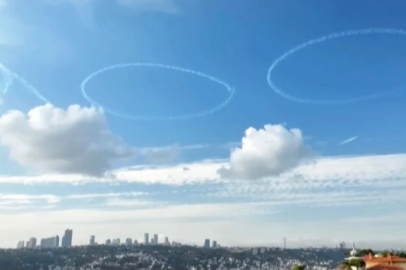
(67, 241)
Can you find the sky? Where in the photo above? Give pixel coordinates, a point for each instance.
(175, 117)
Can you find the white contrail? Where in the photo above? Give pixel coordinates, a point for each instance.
(218, 107)
(8, 79)
(348, 140)
(282, 93)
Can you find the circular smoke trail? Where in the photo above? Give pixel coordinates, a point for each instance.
(212, 110)
(8, 79)
(311, 42)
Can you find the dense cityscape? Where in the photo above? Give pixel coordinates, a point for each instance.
(53, 242)
(153, 254)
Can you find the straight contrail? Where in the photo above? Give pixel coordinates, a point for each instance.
(8, 79)
(348, 140)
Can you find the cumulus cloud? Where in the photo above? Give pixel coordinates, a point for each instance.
(53, 140)
(268, 151)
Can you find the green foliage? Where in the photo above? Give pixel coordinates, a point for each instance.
(299, 267)
(385, 253)
(365, 252)
(345, 266)
(359, 264)
(401, 254)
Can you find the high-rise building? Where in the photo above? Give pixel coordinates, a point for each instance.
(128, 241)
(146, 238)
(20, 244)
(67, 238)
(214, 244)
(116, 241)
(108, 242)
(206, 243)
(155, 239)
(167, 241)
(32, 242)
(135, 242)
(92, 240)
(50, 242)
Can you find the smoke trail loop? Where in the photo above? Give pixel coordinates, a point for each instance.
(229, 89)
(311, 42)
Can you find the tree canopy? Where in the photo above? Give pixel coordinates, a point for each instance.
(365, 252)
(359, 264)
(299, 267)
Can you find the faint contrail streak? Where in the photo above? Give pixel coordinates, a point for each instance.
(348, 140)
(282, 93)
(8, 79)
(218, 107)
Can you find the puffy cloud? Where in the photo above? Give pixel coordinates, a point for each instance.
(268, 151)
(53, 140)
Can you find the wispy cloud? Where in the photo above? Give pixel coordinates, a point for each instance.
(29, 198)
(325, 171)
(105, 195)
(348, 140)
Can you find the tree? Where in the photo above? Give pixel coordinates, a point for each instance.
(365, 252)
(299, 267)
(345, 265)
(401, 254)
(357, 263)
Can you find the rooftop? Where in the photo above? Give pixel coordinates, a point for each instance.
(389, 258)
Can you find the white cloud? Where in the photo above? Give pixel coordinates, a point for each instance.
(105, 195)
(350, 171)
(348, 140)
(25, 198)
(15, 202)
(54, 140)
(126, 203)
(269, 151)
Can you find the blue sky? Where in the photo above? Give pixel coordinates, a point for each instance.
(277, 163)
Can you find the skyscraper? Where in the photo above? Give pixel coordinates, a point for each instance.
(146, 238)
(50, 242)
(167, 241)
(20, 244)
(108, 242)
(128, 241)
(155, 239)
(92, 240)
(206, 243)
(214, 244)
(67, 238)
(32, 242)
(116, 242)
